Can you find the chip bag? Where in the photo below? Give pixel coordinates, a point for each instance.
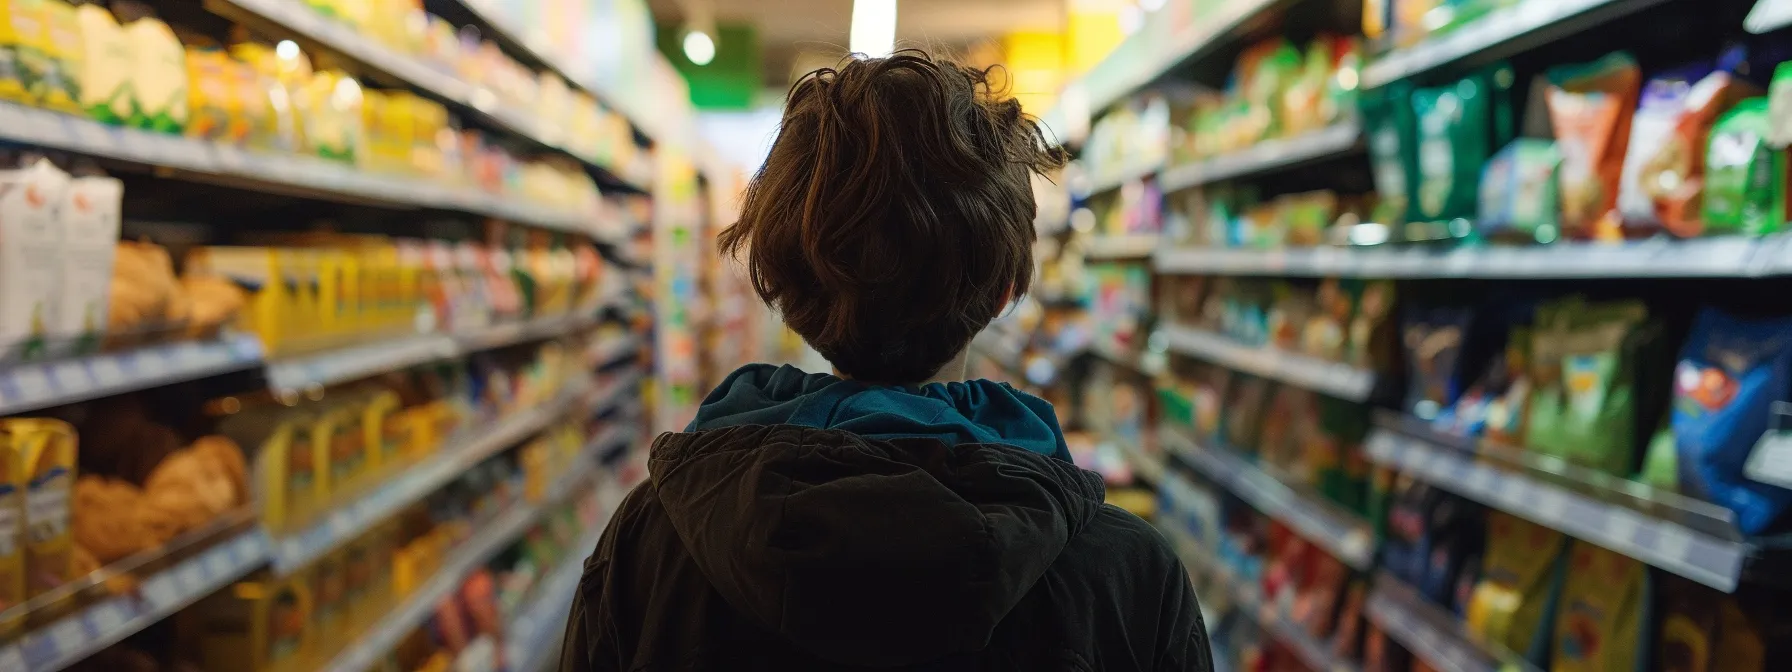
(1590, 106)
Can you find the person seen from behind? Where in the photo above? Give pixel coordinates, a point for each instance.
(891, 515)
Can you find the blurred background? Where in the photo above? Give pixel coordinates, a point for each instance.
(1434, 334)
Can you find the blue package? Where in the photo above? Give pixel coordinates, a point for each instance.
(1731, 371)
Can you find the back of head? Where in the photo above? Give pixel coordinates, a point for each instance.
(893, 218)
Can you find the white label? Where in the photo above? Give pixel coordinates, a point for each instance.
(1549, 504)
(151, 364)
(1771, 460)
(161, 591)
(46, 508)
(32, 383)
(106, 617)
(68, 636)
(191, 577)
(1672, 542)
(70, 377)
(11, 658)
(107, 372)
(1620, 529)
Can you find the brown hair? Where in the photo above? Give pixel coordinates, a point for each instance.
(894, 215)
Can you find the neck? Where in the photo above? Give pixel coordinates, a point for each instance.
(956, 370)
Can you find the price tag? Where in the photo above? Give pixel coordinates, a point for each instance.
(45, 127)
(138, 145)
(184, 153)
(1512, 493)
(191, 577)
(1672, 542)
(152, 364)
(105, 617)
(32, 384)
(1620, 529)
(71, 377)
(69, 636)
(11, 658)
(160, 592)
(1549, 504)
(218, 563)
(93, 136)
(107, 372)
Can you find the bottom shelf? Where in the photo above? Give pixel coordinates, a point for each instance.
(493, 536)
(1248, 599)
(1431, 633)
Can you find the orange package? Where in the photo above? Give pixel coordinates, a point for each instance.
(1590, 106)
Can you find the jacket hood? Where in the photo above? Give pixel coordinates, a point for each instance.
(973, 411)
(876, 553)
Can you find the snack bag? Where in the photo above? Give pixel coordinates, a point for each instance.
(1601, 624)
(1458, 128)
(1514, 604)
(59, 46)
(158, 76)
(1518, 197)
(1584, 408)
(1590, 107)
(1433, 343)
(1731, 371)
(1243, 419)
(107, 66)
(1664, 172)
(18, 28)
(1745, 178)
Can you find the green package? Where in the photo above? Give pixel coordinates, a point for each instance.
(1584, 409)
(1745, 178)
(1518, 197)
(1454, 130)
(1393, 155)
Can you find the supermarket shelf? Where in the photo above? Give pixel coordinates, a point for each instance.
(344, 524)
(1146, 363)
(1331, 378)
(355, 362)
(535, 632)
(1265, 156)
(1432, 634)
(30, 126)
(1342, 534)
(510, 333)
(28, 387)
(1657, 258)
(616, 350)
(1130, 68)
(611, 393)
(105, 622)
(1687, 539)
(490, 538)
(1144, 465)
(1119, 177)
(306, 23)
(1500, 33)
(1248, 598)
(360, 361)
(1768, 16)
(1129, 246)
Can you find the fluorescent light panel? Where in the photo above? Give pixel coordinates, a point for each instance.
(873, 27)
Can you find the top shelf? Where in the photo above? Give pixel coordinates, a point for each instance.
(302, 21)
(1733, 257)
(1500, 33)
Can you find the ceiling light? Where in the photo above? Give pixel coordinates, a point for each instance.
(699, 47)
(873, 27)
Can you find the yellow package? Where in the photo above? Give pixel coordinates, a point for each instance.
(254, 269)
(536, 468)
(211, 93)
(330, 109)
(254, 626)
(277, 431)
(12, 529)
(384, 431)
(18, 28)
(283, 71)
(158, 76)
(107, 65)
(340, 449)
(259, 123)
(1521, 575)
(60, 46)
(1601, 620)
(329, 610)
(45, 450)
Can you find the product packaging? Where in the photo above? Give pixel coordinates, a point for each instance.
(1518, 199)
(1664, 172)
(1745, 178)
(1604, 613)
(31, 257)
(260, 625)
(44, 451)
(1730, 373)
(1590, 107)
(158, 76)
(1514, 604)
(107, 66)
(91, 213)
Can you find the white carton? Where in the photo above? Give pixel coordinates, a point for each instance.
(30, 256)
(91, 212)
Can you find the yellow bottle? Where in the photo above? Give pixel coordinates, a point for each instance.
(254, 626)
(46, 450)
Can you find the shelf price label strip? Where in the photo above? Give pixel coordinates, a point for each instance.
(33, 386)
(1348, 540)
(1263, 156)
(1481, 36)
(1671, 546)
(1331, 378)
(1724, 257)
(87, 631)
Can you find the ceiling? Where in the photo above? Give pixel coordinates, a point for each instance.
(813, 33)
